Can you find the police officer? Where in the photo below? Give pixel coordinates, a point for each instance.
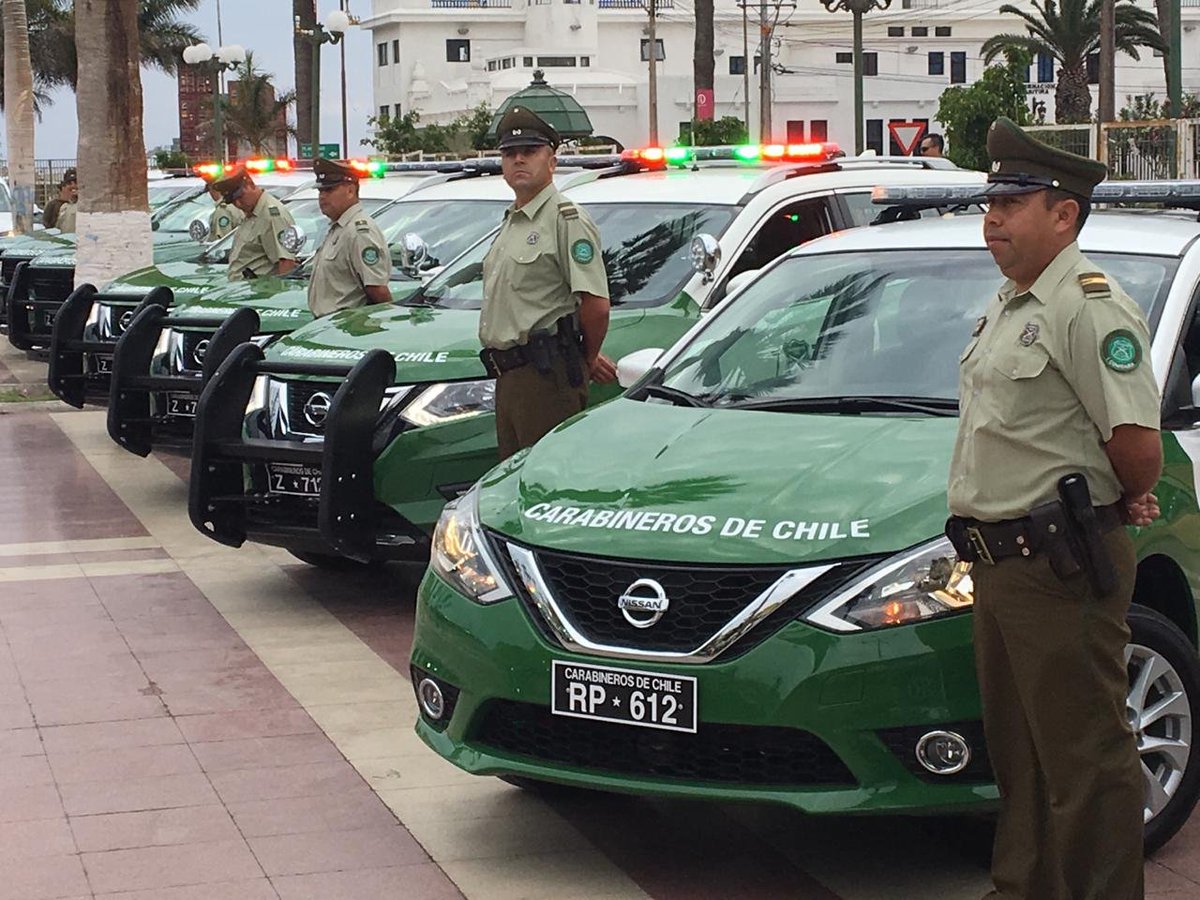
(257, 246)
(224, 218)
(1056, 380)
(60, 212)
(545, 293)
(352, 266)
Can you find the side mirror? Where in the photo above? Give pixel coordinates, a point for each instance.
(414, 253)
(705, 255)
(632, 366)
(198, 231)
(740, 280)
(1196, 392)
(292, 239)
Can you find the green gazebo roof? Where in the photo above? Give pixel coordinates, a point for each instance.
(557, 107)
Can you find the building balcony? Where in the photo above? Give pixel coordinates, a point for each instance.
(470, 4)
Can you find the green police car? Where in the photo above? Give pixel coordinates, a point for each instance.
(675, 240)
(732, 583)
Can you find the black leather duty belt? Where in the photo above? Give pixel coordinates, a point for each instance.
(497, 362)
(993, 541)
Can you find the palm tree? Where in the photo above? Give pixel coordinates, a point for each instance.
(703, 58)
(1070, 32)
(18, 114)
(253, 113)
(304, 12)
(114, 225)
(161, 38)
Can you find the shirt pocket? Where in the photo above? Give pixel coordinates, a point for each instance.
(534, 271)
(1015, 385)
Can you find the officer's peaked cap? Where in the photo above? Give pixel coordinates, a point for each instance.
(522, 127)
(1021, 164)
(334, 171)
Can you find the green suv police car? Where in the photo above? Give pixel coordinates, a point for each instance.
(732, 583)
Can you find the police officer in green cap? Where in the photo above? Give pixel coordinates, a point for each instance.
(545, 293)
(352, 266)
(258, 246)
(224, 218)
(1055, 384)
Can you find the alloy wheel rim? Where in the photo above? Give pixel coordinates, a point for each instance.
(1160, 715)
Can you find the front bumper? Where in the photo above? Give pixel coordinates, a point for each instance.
(34, 298)
(843, 698)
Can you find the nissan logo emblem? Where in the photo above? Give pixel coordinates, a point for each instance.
(643, 603)
(201, 349)
(126, 318)
(316, 409)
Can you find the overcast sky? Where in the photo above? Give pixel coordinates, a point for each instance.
(263, 27)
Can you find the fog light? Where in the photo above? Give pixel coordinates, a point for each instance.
(943, 752)
(433, 704)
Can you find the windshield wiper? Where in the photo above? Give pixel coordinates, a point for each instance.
(676, 396)
(929, 406)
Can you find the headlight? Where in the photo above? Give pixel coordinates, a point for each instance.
(263, 339)
(460, 555)
(258, 395)
(450, 402)
(924, 583)
(93, 318)
(166, 342)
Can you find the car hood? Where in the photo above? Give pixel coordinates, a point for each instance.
(187, 279)
(740, 485)
(281, 303)
(37, 242)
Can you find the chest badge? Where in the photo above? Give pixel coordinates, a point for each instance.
(1029, 334)
(533, 238)
(980, 324)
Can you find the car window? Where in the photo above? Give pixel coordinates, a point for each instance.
(176, 216)
(863, 212)
(306, 214)
(887, 323)
(788, 227)
(448, 228)
(645, 251)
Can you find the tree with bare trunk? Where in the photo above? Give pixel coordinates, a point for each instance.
(703, 58)
(304, 13)
(18, 113)
(114, 222)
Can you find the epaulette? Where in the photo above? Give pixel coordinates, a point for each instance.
(567, 210)
(1094, 284)
(362, 225)
(274, 210)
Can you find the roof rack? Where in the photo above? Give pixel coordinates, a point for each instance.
(1167, 194)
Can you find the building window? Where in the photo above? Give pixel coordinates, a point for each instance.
(895, 31)
(556, 62)
(585, 61)
(920, 31)
(937, 62)
(660, 52)
(397, 113)
(508, 62)
(870, 63)
(458, 50)
(1093, 68)
(396, 51)
(875, 135)
(491, 65)
(795, 131)
(958, 67)
(844, 58)
(384, 115)
(1045, 64)
(737, 65)
(941, 31)
(818, 130)
(381, 52)
(527, 62)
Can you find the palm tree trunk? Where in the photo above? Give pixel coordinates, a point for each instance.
(114, 222)
(305, 11)
(18, 113)
(1072, 98)
(1165, 11)
(703, 61)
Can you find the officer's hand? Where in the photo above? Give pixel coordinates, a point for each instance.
(1142, 510)
(602, 369)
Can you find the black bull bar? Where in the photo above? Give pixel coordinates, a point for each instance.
(131, 420)
(23, 310)
(70, 346)
(218, 501)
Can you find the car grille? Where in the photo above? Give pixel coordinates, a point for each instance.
(191, 340)
(717, 753)
(298, 395)
(52, 283)
(703, 599)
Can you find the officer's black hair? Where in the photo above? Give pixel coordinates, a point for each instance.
(1054, 195)
(937, 139)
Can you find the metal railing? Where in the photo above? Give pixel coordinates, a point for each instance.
(470, 4)
(632, 4)
(1077, 139)
(1159, 148)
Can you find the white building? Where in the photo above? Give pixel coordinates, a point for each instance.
(445, 57)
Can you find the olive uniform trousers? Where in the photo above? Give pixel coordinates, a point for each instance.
(529, 404)
(1051, 666)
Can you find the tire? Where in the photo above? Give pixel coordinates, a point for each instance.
(1162, 662)
(331, 562)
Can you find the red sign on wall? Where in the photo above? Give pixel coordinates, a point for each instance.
(704, 104)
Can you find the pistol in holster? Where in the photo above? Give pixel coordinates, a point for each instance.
(570, 344)
(1087, 534)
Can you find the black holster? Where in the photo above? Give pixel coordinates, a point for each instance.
(570, 345)
(1086, 531)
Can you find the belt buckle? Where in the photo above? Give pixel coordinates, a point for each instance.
(979, 545)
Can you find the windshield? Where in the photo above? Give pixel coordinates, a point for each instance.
(178, 215)
(164, 193)
(891, 323)
(306, 214)
(645, 254)
(448, 228)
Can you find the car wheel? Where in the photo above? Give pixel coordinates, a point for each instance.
(1164, 690)
(331, 562)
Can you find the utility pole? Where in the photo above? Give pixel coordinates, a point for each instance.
(344, 6)
(746, 65)
(652, 54)
(764, 75)
(1176, 44)
(1108, 53)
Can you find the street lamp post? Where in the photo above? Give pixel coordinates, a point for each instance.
(216, 61)
(332, 32)
(858, 8)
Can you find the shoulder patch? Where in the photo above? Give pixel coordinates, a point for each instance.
(1094, 283)
(568, 210)
(1120, 350)
(370, 255)
(582, 251)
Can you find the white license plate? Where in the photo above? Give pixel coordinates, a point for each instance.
(294, 478)
(624, 696)
(181, 405)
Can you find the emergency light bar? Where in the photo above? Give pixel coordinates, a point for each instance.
(368, 168)
(1171, 194)
(491, 164)
(658, 157)
(214, 170)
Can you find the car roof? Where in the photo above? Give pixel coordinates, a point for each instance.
(1116, 231)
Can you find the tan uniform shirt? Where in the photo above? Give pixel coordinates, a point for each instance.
(546, 254)
(224, 218)
(1044, 381)
(256, 245)
(66, 217)
(353, 254)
